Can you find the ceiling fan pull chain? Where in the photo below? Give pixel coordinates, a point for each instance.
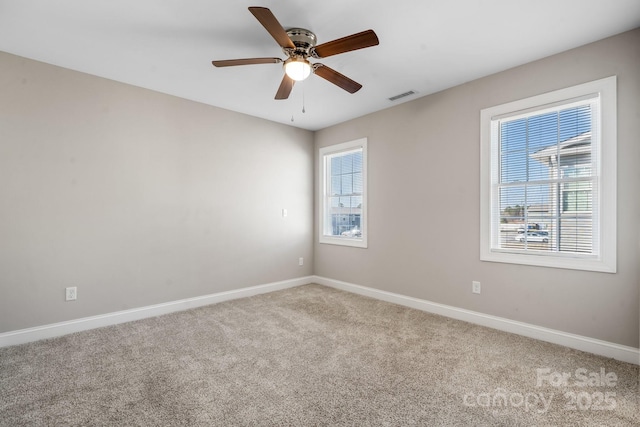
(303, 98)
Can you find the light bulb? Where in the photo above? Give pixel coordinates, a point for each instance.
(297, 68)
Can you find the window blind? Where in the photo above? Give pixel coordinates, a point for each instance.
(545, 185)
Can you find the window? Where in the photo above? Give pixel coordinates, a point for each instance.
(343, 195)
(548, 179)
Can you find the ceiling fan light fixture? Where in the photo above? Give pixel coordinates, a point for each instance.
(297, 68)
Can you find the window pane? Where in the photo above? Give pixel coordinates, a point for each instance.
(575, 157)
(357, 183)
(345, 202)
(357, 161)
(538, 199)
(542, 131)
(576, 197)
(513, 135)
(356, 204)
(512, 203)
(574, 121)
(347, 184)
(513, 166)
(336, 185)
(575, 232)
(336, 165)
(347, 163)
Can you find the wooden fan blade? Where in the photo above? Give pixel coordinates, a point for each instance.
(247, 61)
(271, 24)
(336, 78)
(285, 87)
(346, 44)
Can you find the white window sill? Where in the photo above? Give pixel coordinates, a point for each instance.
(343, 241)
(554, 260)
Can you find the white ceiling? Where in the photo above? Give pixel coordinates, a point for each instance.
(425, 45)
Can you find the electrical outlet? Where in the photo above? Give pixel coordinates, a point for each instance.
(71, 294)
(475, 287)
(300, 261)
(284, 213)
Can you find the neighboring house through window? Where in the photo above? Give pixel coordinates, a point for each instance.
(548, 179)
(343, 197)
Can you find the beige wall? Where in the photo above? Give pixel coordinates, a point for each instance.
(424, 202)
(139, 198)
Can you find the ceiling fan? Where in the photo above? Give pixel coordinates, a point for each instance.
(299, 45)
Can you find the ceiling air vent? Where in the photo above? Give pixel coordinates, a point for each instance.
(402, 95)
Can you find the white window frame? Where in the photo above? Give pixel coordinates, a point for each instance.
(324, 154)
(604, 259)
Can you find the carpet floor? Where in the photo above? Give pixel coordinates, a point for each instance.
(310, 356)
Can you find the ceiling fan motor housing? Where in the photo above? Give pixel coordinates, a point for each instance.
(303, 40)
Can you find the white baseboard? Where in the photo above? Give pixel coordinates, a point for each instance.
(578, 342)
(63, 328)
